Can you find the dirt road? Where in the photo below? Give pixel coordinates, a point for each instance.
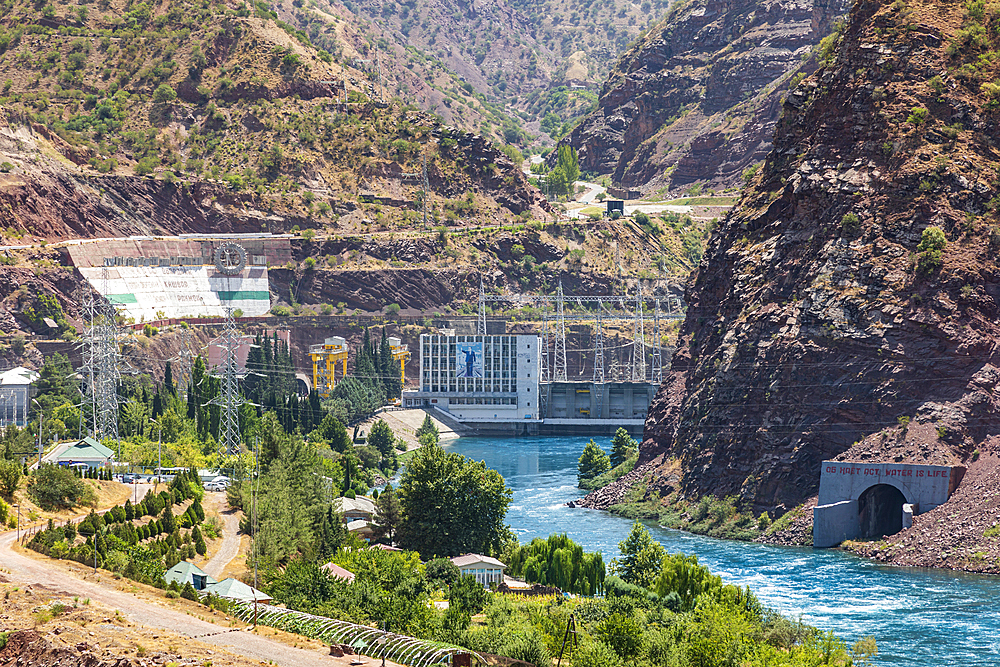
(21, 569)
(230, 541)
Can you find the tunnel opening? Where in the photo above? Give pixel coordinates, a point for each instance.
(880, 511)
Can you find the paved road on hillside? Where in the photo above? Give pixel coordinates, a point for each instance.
(28, 571)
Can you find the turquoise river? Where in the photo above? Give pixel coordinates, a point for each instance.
(918, 617)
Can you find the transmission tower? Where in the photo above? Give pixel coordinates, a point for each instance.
(184, 362)
(559, 363)
(598, 349)
(89, 367)
(638, 339)
(481, 322)
(229, 400)
(657, 361)
(543, 354)
(105, 361)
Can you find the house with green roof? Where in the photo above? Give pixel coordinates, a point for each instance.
(189, 573)
(235, 589)
(87, 451)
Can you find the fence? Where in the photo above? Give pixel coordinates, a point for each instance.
(364, 639)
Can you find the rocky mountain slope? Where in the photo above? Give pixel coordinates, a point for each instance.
(696, 99)
(520, 67)
(854, 287)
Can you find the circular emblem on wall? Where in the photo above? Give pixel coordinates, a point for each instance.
(230, 258)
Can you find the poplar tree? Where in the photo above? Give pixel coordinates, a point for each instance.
(593, 462)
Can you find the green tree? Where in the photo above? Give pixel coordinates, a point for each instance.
(427, 426)
(641, 557)
(55, 488)
(451, 505)
(441, 572)
(334, 433)
(622, 445)
(164, 93)
(56, 383)
(468, 595)
(10, 477)
(199, 541)
(383, 439)
(593, 462)
(683, 575)
(566, 171)
(388, 515)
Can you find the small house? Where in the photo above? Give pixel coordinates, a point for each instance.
(338, 572)
(486, 570)
(87, 451)
(352, 509)
(189, 573)
(234, 589)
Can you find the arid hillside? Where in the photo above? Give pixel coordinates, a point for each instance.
(853, 289)
(123, 119)
(696, 99)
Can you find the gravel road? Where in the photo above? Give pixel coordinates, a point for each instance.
(28, 571)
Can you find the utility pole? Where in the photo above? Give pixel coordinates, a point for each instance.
(427, 190)
(598, 348)
(107, 362)
(40, 417)
(159, 453)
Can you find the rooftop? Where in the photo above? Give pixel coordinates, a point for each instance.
(18, 376)
(474, 559)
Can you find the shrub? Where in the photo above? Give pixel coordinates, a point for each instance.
(850, 225)
(164, 93)
(622, 634)
(917, 117)
(596, 654)
(53, 487)
(188, 592)
(10, 477)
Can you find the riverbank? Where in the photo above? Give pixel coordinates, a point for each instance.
(963, 534)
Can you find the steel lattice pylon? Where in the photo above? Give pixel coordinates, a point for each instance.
(229, 400)
(657, 359)
(638, 340)
(103, 362)
(559, 363)
(598, 349)
(481, 323)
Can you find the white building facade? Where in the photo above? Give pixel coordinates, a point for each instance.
(479, 378)
(16, 391)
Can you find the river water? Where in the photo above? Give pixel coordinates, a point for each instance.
(918, 617)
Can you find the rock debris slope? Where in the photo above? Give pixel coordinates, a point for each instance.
(828, 309)
(697, 98)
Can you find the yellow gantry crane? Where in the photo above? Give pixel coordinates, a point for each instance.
(400, 353)
(325, 357)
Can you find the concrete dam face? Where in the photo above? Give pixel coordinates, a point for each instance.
(865, 500)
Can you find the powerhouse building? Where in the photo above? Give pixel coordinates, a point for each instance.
(492, 385)
(479, 378)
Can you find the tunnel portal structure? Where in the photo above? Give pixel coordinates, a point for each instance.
(864, 499)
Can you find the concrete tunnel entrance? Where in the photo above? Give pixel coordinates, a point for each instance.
(863, 499)
(880, 511)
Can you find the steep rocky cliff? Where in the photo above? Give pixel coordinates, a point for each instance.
(854, 287)
(697, 98)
